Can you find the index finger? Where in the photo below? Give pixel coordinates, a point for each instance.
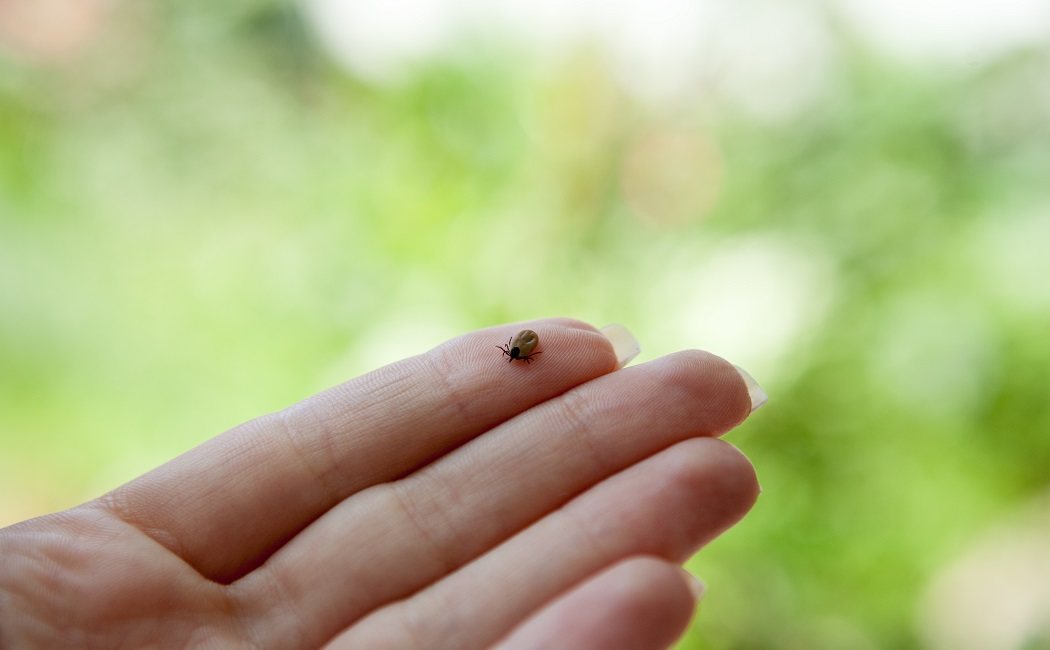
(226, 505)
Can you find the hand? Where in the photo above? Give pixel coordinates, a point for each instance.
(450, 500)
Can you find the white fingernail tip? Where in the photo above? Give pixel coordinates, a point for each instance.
(624, 344)
(696, 585)
(758, 396)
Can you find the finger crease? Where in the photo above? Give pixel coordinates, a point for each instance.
(284, 602)
(577, 416)
(440, 369)
(423, 531)
(590, 538)
(292, 434)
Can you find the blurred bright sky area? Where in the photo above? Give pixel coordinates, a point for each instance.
(772, 59)
(762, 49)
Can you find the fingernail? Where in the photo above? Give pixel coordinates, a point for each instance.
(624, 344)
(695, 585)
(758, 396)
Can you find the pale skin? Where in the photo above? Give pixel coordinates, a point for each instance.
(449, 500)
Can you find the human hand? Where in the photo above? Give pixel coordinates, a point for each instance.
(450, 500)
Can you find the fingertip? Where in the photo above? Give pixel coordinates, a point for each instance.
(710, 379)
(639, 602)
(726, 473)
(654, 593)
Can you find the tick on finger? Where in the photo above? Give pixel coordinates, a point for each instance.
(521, 346)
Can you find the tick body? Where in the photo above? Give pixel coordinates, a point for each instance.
(521, 346)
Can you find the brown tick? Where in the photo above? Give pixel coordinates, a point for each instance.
(521, 346)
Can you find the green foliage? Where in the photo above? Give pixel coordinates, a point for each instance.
(206, 220)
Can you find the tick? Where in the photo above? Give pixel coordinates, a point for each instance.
(521, 346)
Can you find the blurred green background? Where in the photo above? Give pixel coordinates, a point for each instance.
(211, 210)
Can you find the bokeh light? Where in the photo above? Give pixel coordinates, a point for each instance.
(209, 212)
